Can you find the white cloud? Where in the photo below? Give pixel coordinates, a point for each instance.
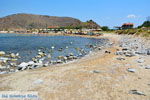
(131, 16)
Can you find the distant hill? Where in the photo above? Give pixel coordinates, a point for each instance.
(28, 21)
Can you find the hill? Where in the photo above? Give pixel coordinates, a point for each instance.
(27, 21)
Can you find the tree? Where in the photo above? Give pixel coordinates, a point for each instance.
(145, 24)
(105, 28)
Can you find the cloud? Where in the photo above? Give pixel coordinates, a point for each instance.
(131, 16)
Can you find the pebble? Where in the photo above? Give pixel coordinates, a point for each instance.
(120, 58)
(147, 67)
(2, 53)
(140, 60)
(107, 52)
(96, 71)
(131, 70)
(39, 81)
(136, 92)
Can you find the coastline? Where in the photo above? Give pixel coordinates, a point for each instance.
(100, 75)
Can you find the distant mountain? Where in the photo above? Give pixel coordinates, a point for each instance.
(28, 21)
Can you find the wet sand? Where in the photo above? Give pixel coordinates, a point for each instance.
(97, 76)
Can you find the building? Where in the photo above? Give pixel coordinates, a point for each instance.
(127, 26)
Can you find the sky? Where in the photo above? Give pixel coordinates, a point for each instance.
(105, 12)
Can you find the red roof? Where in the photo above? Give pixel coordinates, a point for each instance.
(53, 27)
(128, 24)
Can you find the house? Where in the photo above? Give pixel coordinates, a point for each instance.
(127, 25)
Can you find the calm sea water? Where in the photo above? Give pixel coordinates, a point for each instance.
(28, 45)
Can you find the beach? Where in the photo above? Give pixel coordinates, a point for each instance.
(112, 73)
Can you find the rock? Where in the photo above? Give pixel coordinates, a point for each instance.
(70, 57)
(96, 71)
(4, 72)
(46, 64)
(119, 53)
(4, 59)
(52, 47)
(136, 92)
(12, 55)
(41, 54)
(23, 66)
(65, 58)
(17, 54)
(59, 61)
(37, 65)
(148, 52)
(75, 57)
(67, 47)
(61, 49)
(107, 52)
(39, 81)
(12, 70)
(91, 46)
(30, 62)
(2, 53)
(13, 59)
(99, 48)
(71, 42)
(131, 70)
(71, 54)
(13, 64)
(147, 67)
(120, 58)
(49, 56)
(124, 49)
(3, 68)
(140, 60)
(129, 54)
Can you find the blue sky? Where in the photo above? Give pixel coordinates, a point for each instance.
(104, 12)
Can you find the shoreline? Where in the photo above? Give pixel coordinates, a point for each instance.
(109, 74)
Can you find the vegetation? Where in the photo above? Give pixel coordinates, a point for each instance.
(105, 28)
(145, 24)
(140, 32)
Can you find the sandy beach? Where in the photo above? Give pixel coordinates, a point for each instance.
(97, 76)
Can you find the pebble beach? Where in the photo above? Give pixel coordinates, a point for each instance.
(118, 70)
